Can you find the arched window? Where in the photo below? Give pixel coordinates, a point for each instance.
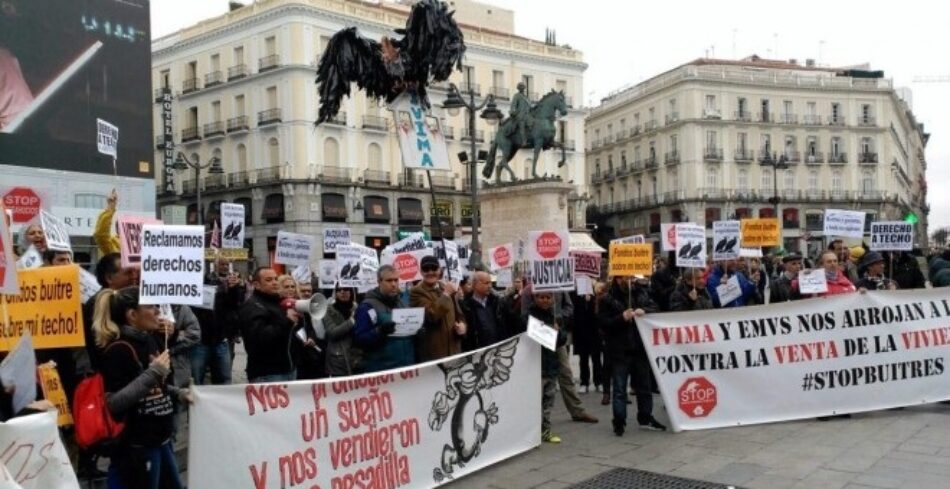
(331, 152)
(273, 152)
(374, 157)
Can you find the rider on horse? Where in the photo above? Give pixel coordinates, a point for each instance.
(520, 111)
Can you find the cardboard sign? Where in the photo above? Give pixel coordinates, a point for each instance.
(302, 274)
(35, 457)
(552, 275)
(53, 392)
(48, 306)
(408, 320)
(327, 274)
(667, 237)
(729, 291)
(503, 278)
(130, 237)
(847, 224)
(293, 248)
(31, 259)
(584, 285)
(545, 335)
(757, 233)
(635, 239)
(8, 281)
(548, 245)
(892, 236)
(502, 256)
(690, 246)
(57, 235)
(232, 226)
(172, 265)
(107, 138)
(627, 260)
(88, 285)
(207, 299)
(726, 237)
(420, 135)
(335, 237)
(357, 266)
(18, 372)
(812, 281)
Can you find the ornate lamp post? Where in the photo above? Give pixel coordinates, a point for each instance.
(491, 115)
(778, 163)
(213, 165)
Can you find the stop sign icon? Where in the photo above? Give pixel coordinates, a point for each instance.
(697, 397)
(407, 266)
(501, 256)
(23, 202)
(549, 245)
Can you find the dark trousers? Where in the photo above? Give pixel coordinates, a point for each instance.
(586, 360)
(636, 367)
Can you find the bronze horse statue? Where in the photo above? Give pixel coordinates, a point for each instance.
(540, 135)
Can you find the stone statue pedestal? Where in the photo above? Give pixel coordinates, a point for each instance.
(509, 211)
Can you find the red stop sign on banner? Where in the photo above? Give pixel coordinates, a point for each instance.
(407, 266)
(24, 203)
(697, 397)
(502, 257)
(549, 245)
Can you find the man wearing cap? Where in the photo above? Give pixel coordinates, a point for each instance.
(781, 289)
(444, 325)
(872, 265)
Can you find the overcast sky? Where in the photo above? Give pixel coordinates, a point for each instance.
(625, 43)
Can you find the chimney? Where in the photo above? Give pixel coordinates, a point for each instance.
(810, 62)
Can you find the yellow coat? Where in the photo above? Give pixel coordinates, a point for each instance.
(102, 235)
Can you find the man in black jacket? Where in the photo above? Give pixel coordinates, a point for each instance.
(217, 326)
(628, 358)
(781, 287)
(690, 294)
(481, 315)
(267, 330)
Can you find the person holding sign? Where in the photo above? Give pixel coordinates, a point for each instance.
(343, 356)
(375, 326)
(33, 236)
(102, 235)
(444, 325)
(542, 309)
(781, 288)
(837, 282)
(720, 276)
(268, 329)
(872, 266)
(691, 294)
(135, 374)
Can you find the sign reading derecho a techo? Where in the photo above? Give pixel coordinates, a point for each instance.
(892, 236)
(172, 265)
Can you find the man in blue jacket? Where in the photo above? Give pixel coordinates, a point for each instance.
(720, 274)
(375, 326)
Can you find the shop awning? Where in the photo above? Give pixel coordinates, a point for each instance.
(410, 211)
(584, 243)
(376, 209)
(334, 207)
(273, 208)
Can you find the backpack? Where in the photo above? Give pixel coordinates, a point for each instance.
(94, 424)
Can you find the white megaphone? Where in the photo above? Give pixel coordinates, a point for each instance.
(316, 307)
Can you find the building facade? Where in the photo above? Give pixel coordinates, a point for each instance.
(719, 139)
(242, 90)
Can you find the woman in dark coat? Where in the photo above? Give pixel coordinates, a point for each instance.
(586, 340)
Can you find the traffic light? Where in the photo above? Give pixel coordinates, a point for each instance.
(911, 218)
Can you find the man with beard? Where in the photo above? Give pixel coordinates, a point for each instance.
(375, 326)
(343, 356)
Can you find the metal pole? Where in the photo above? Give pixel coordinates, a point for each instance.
(197, 168)
(439, 220)
(475, 258)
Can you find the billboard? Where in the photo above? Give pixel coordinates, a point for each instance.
(63, 65)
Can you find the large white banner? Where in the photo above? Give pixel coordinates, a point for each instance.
(818, 357)
(847, 224)
(416, 427)
(232, 223)
(33, 455)
(172, 264)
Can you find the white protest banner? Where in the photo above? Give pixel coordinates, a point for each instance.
(545, 335)
(328, 274)
(729, 291)
(313, 433)
(750, 252)
(502, 256)
(232, 223)
(635, 239)
(586, 264)
(209, 292)
(302, 274)
(57, 235)
(840, 354)
(408, 320)
(552, 275)
(548, 245)
(335, 237)
(668, 237)
(130, 237)
(357, 266)
(691, 246)
(8, 280)
(847, 224)
(172, 265)
(584, 285)
(725, 240)
(34, 456)
(29, 260)
(503, 278)
(812, 281)
(293, 248)
(18, 372)
(450, 259)
(413, 242)
(107, 138)
(420, 135)
(892, 236)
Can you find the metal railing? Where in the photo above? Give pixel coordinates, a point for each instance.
(838, 158)
(499, 92)
(443, 181)
(376, 176)
(649, 126)
(410, 180)
(375, 122)
(265, 175)
(334, 174)
(213, 78)
(214, 129)
(792, 156)
(712, 154)
(811, 120)
(189, 85)
(338, 120)
(239, 123)
(215, 181)
(712, 113)
(649, 162)
(268, 62)
(190, 134)
(268, 116)
(867, 158)
(188, 186)
(744, 116)
(465, 87)
(237, 72)
(467, 135)
(815, 158)
(836, 120)
(788, 119)
(239, 178)
(765, 117)
(671, 157)
(744, 155)
(867, 121)
(672, 117)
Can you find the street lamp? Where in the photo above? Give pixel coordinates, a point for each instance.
(213, 165)
(491, 115)
(778, 163)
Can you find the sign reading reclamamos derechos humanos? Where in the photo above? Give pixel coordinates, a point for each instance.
(840, 354)
(48, 306)
(892, 236)
(172, 265)
(418, 427)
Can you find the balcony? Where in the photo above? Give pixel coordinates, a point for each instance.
(375, 123)
(237, 72)
(376, 176)
(466, 87)
(499, 93)
(712, 193)
(765, 117)
(215, 181)
(649, 126)
(838, 158)
(333, 174)
(788, 119)
(189, 85)
(836, 120)
(338, 120)
(267, 175)
(214, 129)
(765, 156)
(744, 156)
(239, 123)
(742, 116)
(268, 63)
(569, 145)
(671, 118)
(239, 178)
(188, 186)
(635, 130)
(814, 158)
(867, 121)
(190, 134)
(269, 116)
(868, 195)
(811, 120)
(214, 78)
(160, 142)
(792, 156)
(449, 132)
(671, 158)
(596, 177)
(712, 113)
(410, 180)
(712, 154)
(867, 158)
(160, 94)
(444, 182)
(650, 163)
(479, 135)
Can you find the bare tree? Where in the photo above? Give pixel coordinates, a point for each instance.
(940, 236)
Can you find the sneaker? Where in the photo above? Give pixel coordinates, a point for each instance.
(584, 418)
(618, 426)
(584, 389)
(600, 389)
(549, 437)
(652, 424)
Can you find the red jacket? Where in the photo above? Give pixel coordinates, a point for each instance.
(841, 285)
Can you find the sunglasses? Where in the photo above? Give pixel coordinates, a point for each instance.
(430, 268)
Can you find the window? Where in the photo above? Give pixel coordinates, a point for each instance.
(498, 78)
(791, 143)
(623, 158)
(653, 150)
(270, 46)
(811, 147)
(216, 111)
(766, 144)
(636, 154)
(241, 158)
(636, 120)
(610, 163)
(742, 180)
(528, 83)
(867, 146)
(867, 182)
(271, 97)
(836, 182)
(652, 114)
(239, 107)
(813, 181)
(766, 179)
(374, 157)
(468, 74)
(789, 179)
(835, 146)
(710, 102)
(331, 152)
(273, 151)
(673, 144)
(835, 110)
(787, 107)
(742, 140)
(674, 178)
(814, 220)
(741, 108)
(610, 130)
(165, 79)
(90, 201)
(192, 117)
(597, 166)
(611, 193)
(712, 178)
(215, 62)
(561, 86)
(765, 109)
(867, 117)
(811, 108)
(712, 140)
(238, 55)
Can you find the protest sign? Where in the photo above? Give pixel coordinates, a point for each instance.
(408, 320)
(812, 281)
(503, 278)
(545, 335)
(293, 248)
(840, 354)
(635, 239)
(18, 373)
(302, 274)
(757, 233)
(847, 224)
(726, 236)
(328, 274)
(31, 259)
(548, 245)
(233, 254)
(502, 256)
(750, 252)
(130, 237)
(415, 418)
(584, 285)
(552, 275)
(420, 136)
(729, 291)
(53, 392)
(208, 295)
(47, 306)
(107, 138)
(335, 237)
(415, 241)
(88, 285)
(447, 251)
(892, 236)
(668, 236)
(627, 260)
(34, 456)
(357, 266)
(691, 246)
(172, 265)
(8, 282)
(232, 224)
(407, 264)
(586, 263)
(57, 235)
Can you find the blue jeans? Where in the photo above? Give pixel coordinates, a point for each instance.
(144, 468)
(292, 375)
(218, 357)
(637, 369)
